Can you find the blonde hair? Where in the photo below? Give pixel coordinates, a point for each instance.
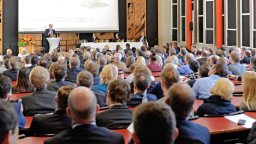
(106, 47)
(173, 57)
(87, 62)
(209, 60)
(223, 88)
(249, 94)
(171, 65)
(159, 60)
(87, 55)
(39, 77)
(142, 69)
(109, 73)
(141, 61)
(9, 51)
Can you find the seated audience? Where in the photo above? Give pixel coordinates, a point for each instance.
(152, 64)
(186, 68)
(85, 78)
(124, 59)
(48, 56)
(86, 56)
(56, 122)
(27, 61)
(203, 58)
(118, 115)
(93, 68)
(203, 72)
(33, 61)
(236, 68)
(102, 63)
(8, 124)
(117, 61)
(59, 72)
(249, 95)
(181, 95)
(183, 52)
(74, 69)
(220, 101)
(141, 61)
(141, 83)
(5, 89)
(129, 78)
(108, 74)
(23, 84)
(42, 100)
(159, 60)
(169, 76)
(211, 51)
(43, 62)
(82, 108)
(154, 123)
(129, 62)
(246, 57)
(9, 52)
(202, 86)
(194, 66)
(12, 73)
(23, 52)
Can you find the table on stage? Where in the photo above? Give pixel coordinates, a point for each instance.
(53, 43)
(112, 45)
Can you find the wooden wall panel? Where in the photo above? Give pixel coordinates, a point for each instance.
(71, 37)
(136, 18)
(105, 35)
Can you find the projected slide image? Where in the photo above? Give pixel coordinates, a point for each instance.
(94, 4)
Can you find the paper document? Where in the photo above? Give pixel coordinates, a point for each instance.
(248, 120)
(182, 77)
(130, 128)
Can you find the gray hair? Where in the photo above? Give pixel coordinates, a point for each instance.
(118, 56)
(121, 52)
(147, 53)
(98, 55)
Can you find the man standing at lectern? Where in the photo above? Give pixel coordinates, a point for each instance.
(142, 38)
(49, 32)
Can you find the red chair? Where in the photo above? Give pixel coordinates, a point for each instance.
(14, 82)
(126, 134)
(16, 96)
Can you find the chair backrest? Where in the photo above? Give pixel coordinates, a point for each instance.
(234, 113)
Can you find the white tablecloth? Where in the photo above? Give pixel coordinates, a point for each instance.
(112, 45)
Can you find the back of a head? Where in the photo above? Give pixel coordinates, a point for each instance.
(7, 56)
(183, 51)
(55, 57)
(27, 59)
(142, 69)
(5, 85)
(93, 53)
(98, 55)
(130, 61)
(82, 104)
(48, 56)
(43, 62)
(109, 73)
(154, 123)
(248, 53)
(39, 77)
(181, 98)
(14, 62)
(33, 60)
(189, 57)
(93, 68)
(141, 81)
(152, 57)
(214, 59)
(205, 53)
(59, 71)
(253, 62)
(223, 48)
(221, 70)
(194, 65)
(222, 61)
(42, 50)
(74, 62)
(211, 50)
(62, 96)
(170, 76)
(67, 56)
(8, 122)
(223, 88)
(249, 92)
(204, 70)
(235, 56)
(167, 61)
(103, 61)
(85, 78)
(119, 91)
(130, 53)
(7, 64)
(118, 57)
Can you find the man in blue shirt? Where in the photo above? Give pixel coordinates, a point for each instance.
(186, 67)
(202, 86)
(236, 68)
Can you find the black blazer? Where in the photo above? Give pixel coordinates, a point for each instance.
(92, 40)
(87, 134)
(136, 99)
(47, 35)
(72, 74)
(144, 39)
(55, 85)
(41, 101)
(11, 73)
(202, 61)
(52, 123)
(101, 97)
(251, 139)
(31, 67)
(118, 116)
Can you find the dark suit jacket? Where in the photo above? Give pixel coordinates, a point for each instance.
(101, 97)
(127, 49)
(72, 74)
(245, 60)
(52, 123)
(154, 67)
(191, 133)
(136, 99)
(96, 80)
(100, 70)
(118, 116)
(251, 139)
(47, 31)
(87, 134)
(144, 39)
(11, 73)
(202, 61)
(92, 40)
(182, 58)
(124, 59)
(55, 85)
(157, 91)
(41, 99)
(21, 119)
(31, 67)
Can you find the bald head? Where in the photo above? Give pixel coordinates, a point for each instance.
(180, 94)
(188, 57)
(82, 104)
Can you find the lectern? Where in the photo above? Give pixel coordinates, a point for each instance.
(54, 43)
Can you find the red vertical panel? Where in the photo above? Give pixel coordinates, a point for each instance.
(189, 19)
(219, 32)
